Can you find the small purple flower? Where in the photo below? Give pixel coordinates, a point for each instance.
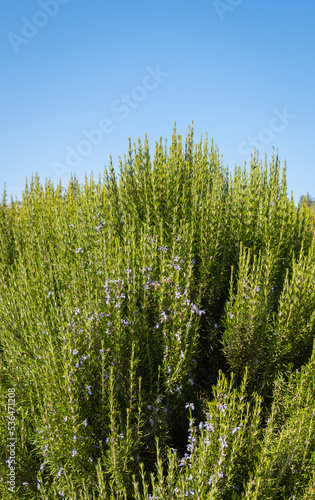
(49, 294)
(75, 351)
(235, 430)
(258, 288)
(74, 452)
(164, 317)
(209, 427)
(79, 250)
(65, 419)
(74, 438)
(89, 389)
(85, 422)
(60, 471)
(223, 442)
(190, 405)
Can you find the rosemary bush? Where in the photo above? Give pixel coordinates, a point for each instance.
(157, 332)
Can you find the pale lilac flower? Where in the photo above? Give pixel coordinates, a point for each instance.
(223, 442)
(89, 389)
(60, 471)
(75, 351)
(209, 427)
(49, 294)
(74, 452)
(65, 419)
(79, 250)
(189, 492)
(85, 422)
(190, 405)
(164, 317)
(235, 430)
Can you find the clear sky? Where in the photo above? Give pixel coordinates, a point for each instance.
(79, 77)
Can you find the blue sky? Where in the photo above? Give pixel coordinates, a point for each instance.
(79, 78)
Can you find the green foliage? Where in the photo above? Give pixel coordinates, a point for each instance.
(157, 332)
